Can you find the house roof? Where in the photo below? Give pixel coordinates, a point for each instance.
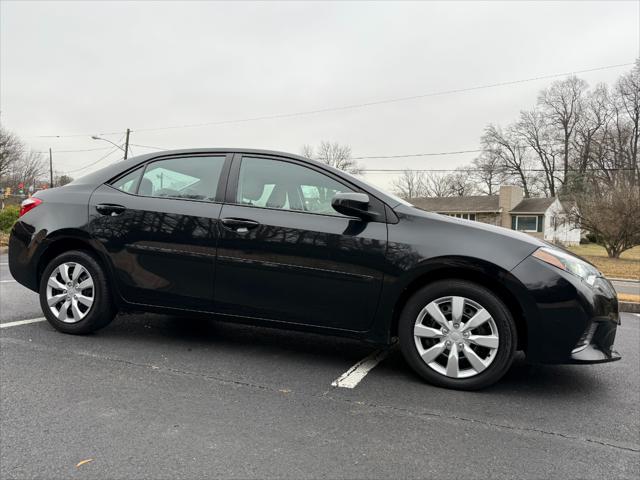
(533, 205)
(480, 203)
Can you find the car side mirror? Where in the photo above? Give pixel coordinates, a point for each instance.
(353, 205)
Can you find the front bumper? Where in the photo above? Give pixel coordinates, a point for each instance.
(568, 321)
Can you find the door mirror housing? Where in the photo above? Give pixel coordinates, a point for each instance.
(353, 205)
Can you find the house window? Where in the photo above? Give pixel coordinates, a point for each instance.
(465, 216)
(528, 223)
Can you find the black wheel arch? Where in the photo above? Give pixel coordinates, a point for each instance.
(66, 242)
(510, 291)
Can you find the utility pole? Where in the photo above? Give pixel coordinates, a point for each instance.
(126, 145)
(50, 168)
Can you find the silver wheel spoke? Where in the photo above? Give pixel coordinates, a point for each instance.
(457, 307)
(453, 367)
(432, 353)
(62, 313)
(489, 341)
(77, 271)
(476, 362)
(64, 272)
(86, 301)
(478, 319)
(51, 301)
(434, 310)
(54, 283)
(426, 332)
(88, 283)
(77, 314)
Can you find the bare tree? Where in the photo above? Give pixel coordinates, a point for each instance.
(561, 104)
(334, 154)
(610, 210)
(535, 131)
(460, 182)
(410, 184)
(594, 119)
(29, 169)
(505, 146)
(628, 99)
(487, 173)
(11, 150)
(437, 185)
(61, 180)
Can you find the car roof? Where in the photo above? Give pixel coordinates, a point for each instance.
(107, 173)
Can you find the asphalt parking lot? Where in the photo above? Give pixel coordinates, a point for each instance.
(166, 397)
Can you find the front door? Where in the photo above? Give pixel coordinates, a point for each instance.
(159, 228)
(285, 255)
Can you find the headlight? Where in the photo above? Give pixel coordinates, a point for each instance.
(568, 263)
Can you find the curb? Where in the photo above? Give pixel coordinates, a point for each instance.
(631, 280)
(629, 307)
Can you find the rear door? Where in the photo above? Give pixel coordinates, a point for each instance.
(158, 226)
(285, 255)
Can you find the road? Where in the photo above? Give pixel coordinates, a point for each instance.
(629, 287)
(162, 397)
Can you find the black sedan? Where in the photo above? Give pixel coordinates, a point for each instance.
(275, 239)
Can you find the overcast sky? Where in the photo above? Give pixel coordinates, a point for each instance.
(89, 68)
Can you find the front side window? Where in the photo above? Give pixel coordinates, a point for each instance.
(287, 186)
(191, 178)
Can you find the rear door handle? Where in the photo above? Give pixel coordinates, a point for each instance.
(239, 225)
(110, 209)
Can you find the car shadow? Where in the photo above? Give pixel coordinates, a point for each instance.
(522, 379)
(206, 332)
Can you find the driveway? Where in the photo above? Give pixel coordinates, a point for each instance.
(162, 397)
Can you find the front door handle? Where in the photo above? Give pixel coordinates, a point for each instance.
(110, 209)
(239, 225)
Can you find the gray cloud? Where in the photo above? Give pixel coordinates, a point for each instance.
(104, 66)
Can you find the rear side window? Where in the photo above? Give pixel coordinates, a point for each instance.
(192, 178)
(128, 183)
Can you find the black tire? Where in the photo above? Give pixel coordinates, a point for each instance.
(501, 316)
(99, 314)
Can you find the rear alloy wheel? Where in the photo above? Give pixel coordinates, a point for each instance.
(457, 334)
(74, 294)
(70, 292)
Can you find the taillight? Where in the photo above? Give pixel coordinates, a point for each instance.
(29, 204)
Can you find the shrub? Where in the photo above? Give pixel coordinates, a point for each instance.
(8, 217)
(592, 237)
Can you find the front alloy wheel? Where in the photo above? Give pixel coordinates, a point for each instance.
(457, 334)
(456, 337)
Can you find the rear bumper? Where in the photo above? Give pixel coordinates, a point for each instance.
(23, 249)
(568, 321)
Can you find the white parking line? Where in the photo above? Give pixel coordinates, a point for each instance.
(4, 263)
(352, 377)
(7, 281)
(22, 322)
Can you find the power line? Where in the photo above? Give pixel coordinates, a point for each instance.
(354, 105)
(74, 151)
(114, 149)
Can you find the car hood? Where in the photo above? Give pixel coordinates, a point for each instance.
(433, 235)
